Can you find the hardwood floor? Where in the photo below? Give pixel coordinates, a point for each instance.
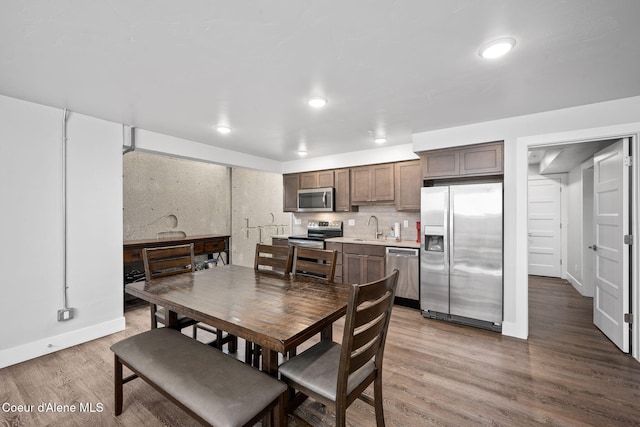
(435, 373)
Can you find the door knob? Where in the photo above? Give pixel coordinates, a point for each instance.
(594, 247)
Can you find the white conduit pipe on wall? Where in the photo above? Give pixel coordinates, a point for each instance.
(65, 116)
(132, 139)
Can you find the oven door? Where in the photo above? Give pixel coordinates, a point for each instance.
(306, 243)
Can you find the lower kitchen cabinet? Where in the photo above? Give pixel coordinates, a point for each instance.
(334, 246)
(279, 241)
(362, 263)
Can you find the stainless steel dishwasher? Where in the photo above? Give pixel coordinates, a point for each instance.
(405, 260)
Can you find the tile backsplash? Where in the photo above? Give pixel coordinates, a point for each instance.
(387, 217)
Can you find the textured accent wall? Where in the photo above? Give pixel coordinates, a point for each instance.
(172, 197)
(256, 212)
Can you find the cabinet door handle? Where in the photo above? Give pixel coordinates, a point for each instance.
(594, 247)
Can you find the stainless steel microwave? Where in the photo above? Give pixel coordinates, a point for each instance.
(316, 200)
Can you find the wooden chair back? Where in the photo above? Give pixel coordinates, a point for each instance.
(319, 263)
(273, 259)
(168, 260)
(365, 330)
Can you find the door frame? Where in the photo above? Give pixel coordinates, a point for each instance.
(631, 131)
(588, 284)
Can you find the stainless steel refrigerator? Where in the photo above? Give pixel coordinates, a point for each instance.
(461, 254)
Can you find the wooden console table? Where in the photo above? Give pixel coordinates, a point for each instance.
(204, 244)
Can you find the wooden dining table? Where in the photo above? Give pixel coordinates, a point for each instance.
(278, 313)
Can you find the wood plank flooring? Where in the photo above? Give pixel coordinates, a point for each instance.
(435, 374)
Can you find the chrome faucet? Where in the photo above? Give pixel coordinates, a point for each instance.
(378, 233)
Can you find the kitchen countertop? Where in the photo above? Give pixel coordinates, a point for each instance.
(381, 242)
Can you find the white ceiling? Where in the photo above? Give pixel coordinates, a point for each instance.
(564, 157)
(391, 67)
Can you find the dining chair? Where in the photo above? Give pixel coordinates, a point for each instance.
(316, 263)
(336, 374)
(167, 261)
(269, 259)
(273, 259)
(319, 264)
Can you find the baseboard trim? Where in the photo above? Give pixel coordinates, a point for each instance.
(575, 283)
(515, 330)
(49, 345)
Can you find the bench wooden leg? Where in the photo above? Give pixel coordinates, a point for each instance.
(281, 410)
(118, 385)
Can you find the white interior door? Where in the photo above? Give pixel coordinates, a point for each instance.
(544, 226)
(611, 218)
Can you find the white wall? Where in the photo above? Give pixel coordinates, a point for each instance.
(164, 144)
(31, 254)
(577, 123)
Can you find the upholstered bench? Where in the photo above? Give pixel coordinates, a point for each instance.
(214, 388)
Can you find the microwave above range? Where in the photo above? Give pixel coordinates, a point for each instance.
(316, 200)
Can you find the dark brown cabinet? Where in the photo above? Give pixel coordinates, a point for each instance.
(481, 159)
(408, 181)
(291, 184)
(337, 247)
(279, 241)
(362, 263)
(372, 184)
(319, 179)
(343, 190)
(440, 163)
(472, 160)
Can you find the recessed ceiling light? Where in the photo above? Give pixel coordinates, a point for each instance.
(302, 153)
(223, 129)
(380, 140)
(317, 102)
(497, 48)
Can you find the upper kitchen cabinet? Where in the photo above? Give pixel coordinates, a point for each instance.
(408, 182)
(440, 163)
(472, 160)
(343, 190)
(485, 159)
(291, 184)
(372, 184)
(319, 179)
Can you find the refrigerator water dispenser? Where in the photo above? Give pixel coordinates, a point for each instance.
(434, 243)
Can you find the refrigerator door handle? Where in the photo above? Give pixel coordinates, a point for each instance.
(451, 234)
(448, 233)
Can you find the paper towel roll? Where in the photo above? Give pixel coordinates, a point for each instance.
(396, 230)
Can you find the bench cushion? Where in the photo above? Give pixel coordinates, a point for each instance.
(218, 388)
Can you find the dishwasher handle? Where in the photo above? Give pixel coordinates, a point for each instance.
(402, 251)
